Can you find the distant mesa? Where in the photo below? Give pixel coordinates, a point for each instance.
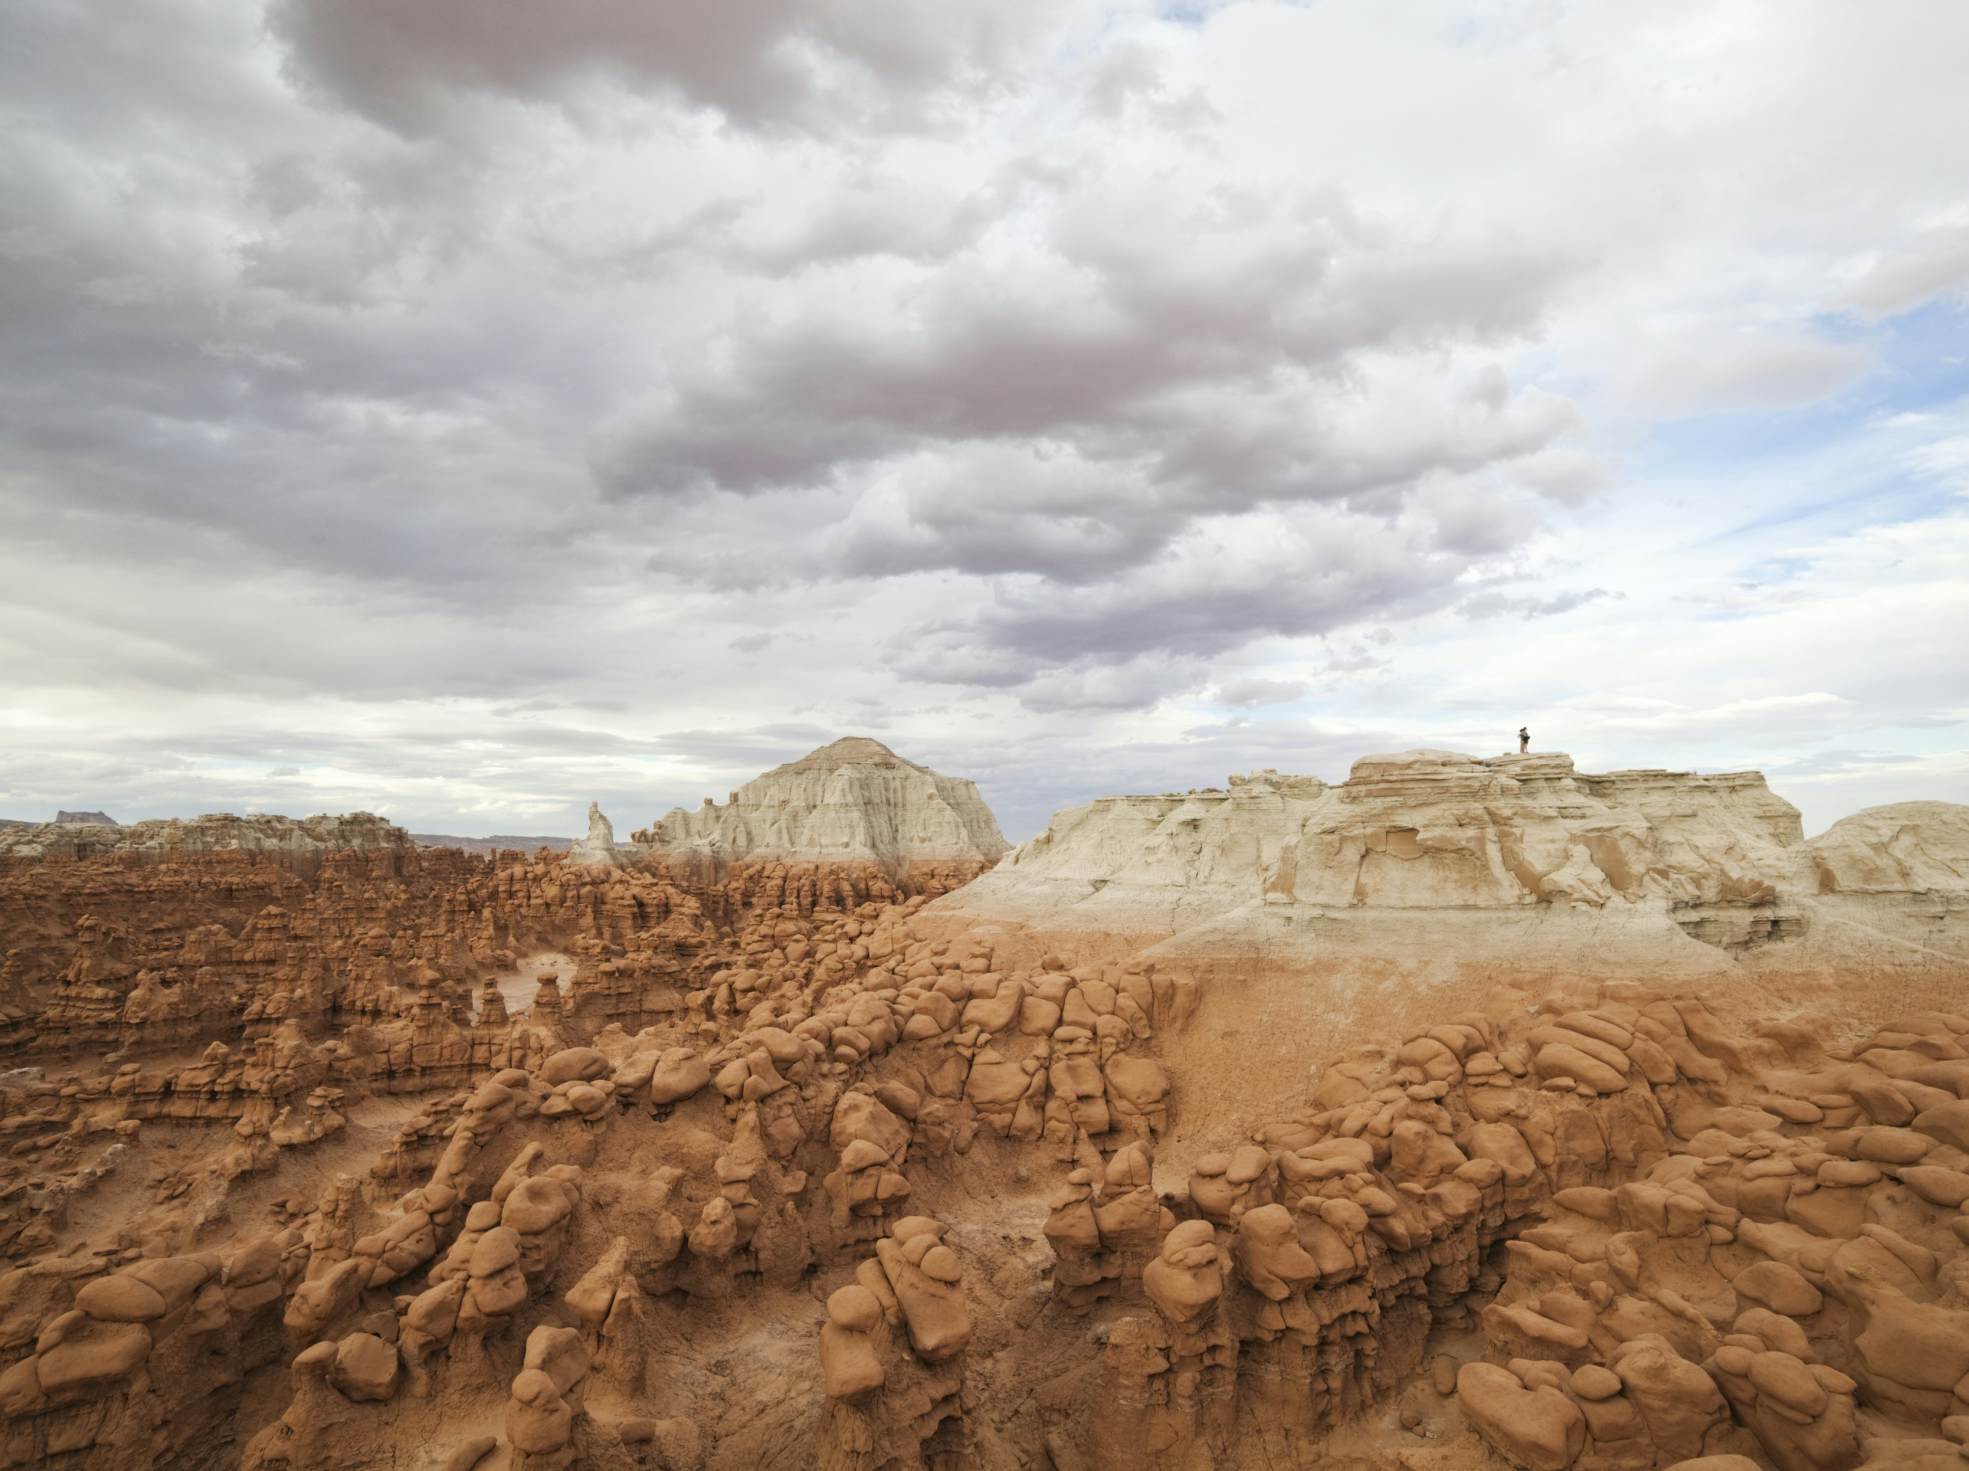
(213, 833)
(94, 819)
(497, 843)
(853, 800)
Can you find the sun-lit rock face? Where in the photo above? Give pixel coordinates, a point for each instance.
(852, 800)
(1433, 829)
(1127, 863)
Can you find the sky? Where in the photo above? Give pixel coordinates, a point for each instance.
(462, 411)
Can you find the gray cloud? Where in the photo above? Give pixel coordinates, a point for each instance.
(1501, 605)
(1253, 693)
(756, 61)
(468, 409)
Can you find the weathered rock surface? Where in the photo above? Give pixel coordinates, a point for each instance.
(854, 800)
(1517, 857)
(598, 848)
(84, 835)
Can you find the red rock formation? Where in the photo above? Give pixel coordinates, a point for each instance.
(778, 1168)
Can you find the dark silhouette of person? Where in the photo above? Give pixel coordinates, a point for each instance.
(1524, 740)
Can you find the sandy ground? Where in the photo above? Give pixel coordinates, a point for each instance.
(519, 984)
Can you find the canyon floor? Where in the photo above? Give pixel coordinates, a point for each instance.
(1465, 1114)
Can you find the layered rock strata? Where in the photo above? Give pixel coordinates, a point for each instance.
(1443, 864)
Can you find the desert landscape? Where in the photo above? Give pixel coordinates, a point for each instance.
(984, 735)
(1467, 1113)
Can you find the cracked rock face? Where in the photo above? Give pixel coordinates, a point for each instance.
(783, 1164)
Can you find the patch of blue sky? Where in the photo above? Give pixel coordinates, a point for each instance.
(1829, 466)
(1921, 364)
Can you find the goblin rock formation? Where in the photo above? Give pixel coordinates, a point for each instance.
(349, 1153)
(855, 800)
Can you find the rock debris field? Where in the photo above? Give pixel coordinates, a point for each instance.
(1469, 1113)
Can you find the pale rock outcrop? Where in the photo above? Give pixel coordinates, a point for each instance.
(854, 800)
(1511, 859)
(1907, 847)
(597, 850)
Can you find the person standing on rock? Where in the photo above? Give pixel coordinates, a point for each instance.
(1524, 740)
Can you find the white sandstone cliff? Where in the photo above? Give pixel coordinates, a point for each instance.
(852, 800)
(1437, 860)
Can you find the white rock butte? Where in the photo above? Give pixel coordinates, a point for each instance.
(1442, 856)
(852, 800)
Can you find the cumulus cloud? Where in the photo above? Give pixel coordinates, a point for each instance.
(1756, 370)
(465, 409)
(1932, 264)
(1252, 693)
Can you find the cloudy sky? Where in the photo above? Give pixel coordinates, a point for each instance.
(461, 410)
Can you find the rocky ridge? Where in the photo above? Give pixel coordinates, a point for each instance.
(215, 832)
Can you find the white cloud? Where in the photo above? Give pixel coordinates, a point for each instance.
(1706, 374)
(1933, 264)
(452, 410)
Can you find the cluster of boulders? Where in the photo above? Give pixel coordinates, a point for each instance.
(1794, 1259)
(1717, 1245)
(147, 1355)
(892, 1356)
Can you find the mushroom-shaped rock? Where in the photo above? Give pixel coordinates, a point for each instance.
(1268, 1252)
(574, 1065)
(121, 1299)
(538, 1421)
(849, 1363)
(1780, 1287)
(559, 1353)
(88, 1357)
(1186, 1278)
(933, 1306)
(536, 1205)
